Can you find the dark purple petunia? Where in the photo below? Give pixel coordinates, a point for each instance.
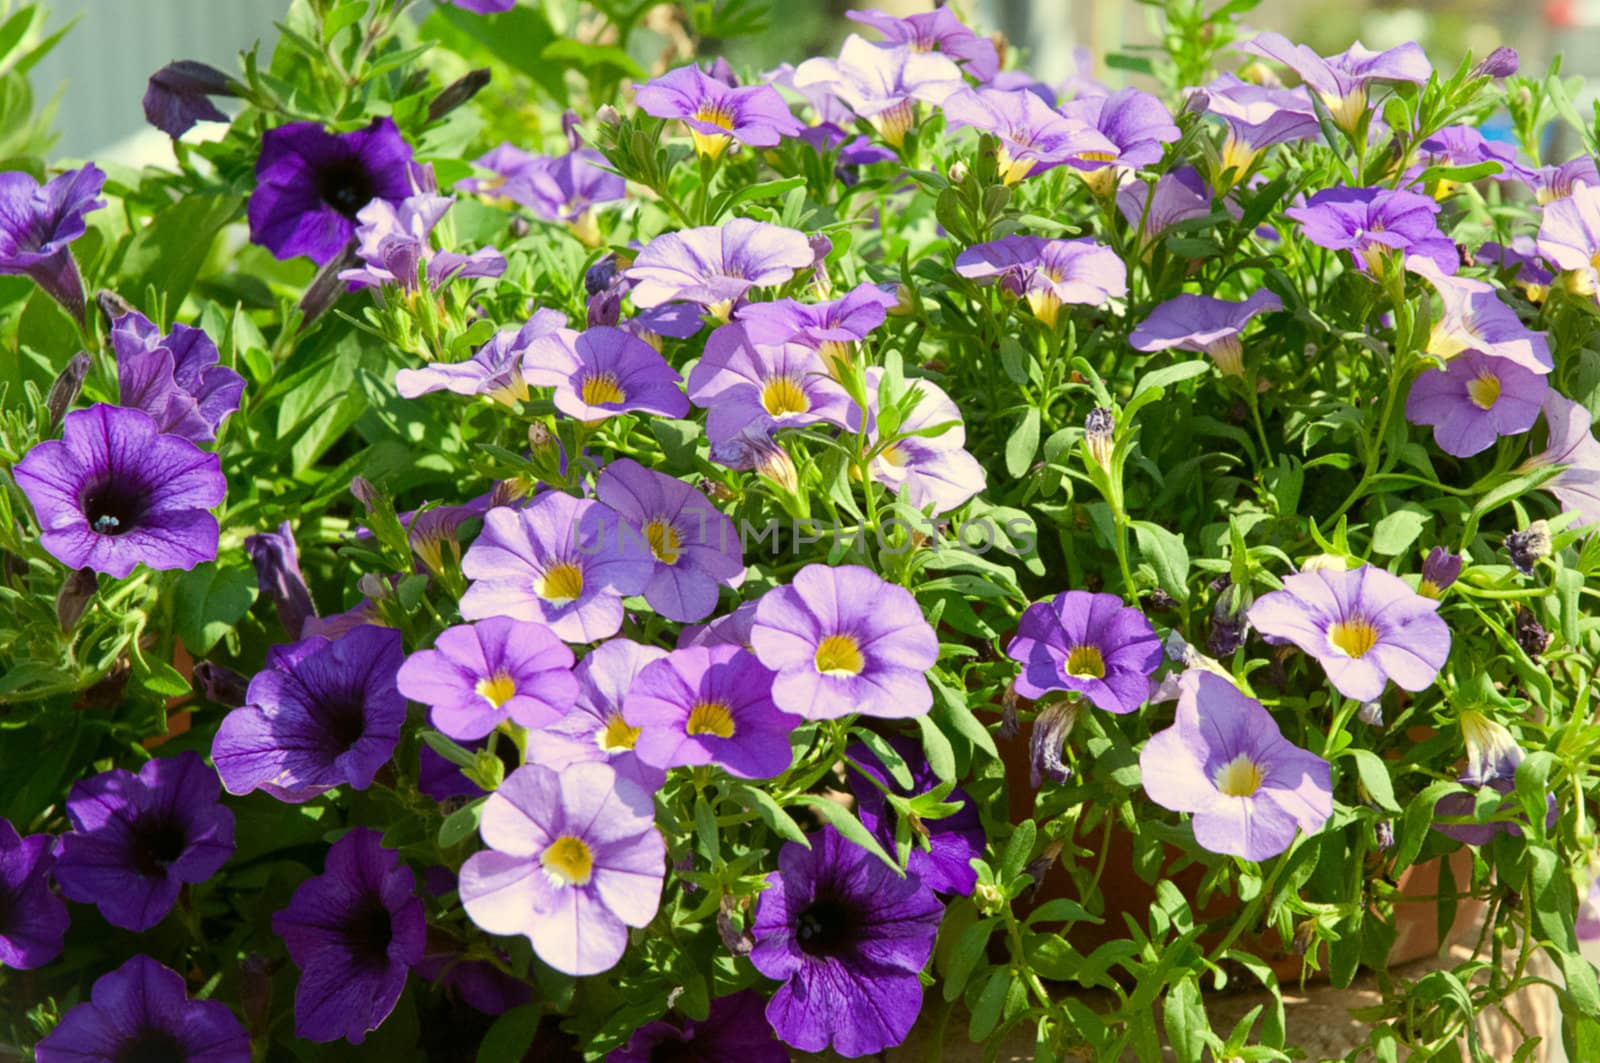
(33, 920)
(142, 1012)
(311, 183)
(320, 714)
(734, 1029)
(113, 492)
(37, 227)
(136, 839)
(354, 931)
(848, 938)
(174, 378)
(1376, 224)
(942, 850)
(179, 95)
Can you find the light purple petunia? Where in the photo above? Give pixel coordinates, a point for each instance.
(718, 113)
(1569, 236)
(558, 188)
(844, 641)
(1201, 323)
(38, 224)
(695, 548)
(1090, 644)
(563, 561)
(1551, 183)
(1463, 145)
(848, 939)
(602, 372)
(136, 839)
(310, 185)
(711, 705)
(1492, 759)
(831, 327)
(113, 492)
(1364, 625)
(1048, 273)
(714, 266)
(394, 241)
(174, 378)
(734, 1029)
(495, 369)
(942, 850)
(1257, 117)
(1570, 441)
(354, 931)
(33, 921)
(1341, 81)
(484, 7)
(478, 675)
(573, 860)
(733, 629)
(1476, 319)
(1374, 224)
(1178, 196)
(1521, 259)
(1475, 399)
(928, 471)
(322, 713)
(935, 31)
(1135, 123)
(1225, 762)
(751, 386)
(142, 1011)
(883, 85)
(1033, 137)
(593, 728)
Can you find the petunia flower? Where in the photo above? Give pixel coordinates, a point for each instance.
(394, 240)
(277, 563)
(142, 1011)
(1463, 145)
(1374, 224)
(179, 95)
(1475, 399)
(1135, 123)
(38, 224)
(734, 1029)
(844, 641)
(711, 705)
(1179, 195)
(33, 921)
(753, 386)
(1225, 762)
(1342, 81)
(174, 378)
(848, 938)
(1555, 182)
(1475, 318)
(939, 31)
(1570, 441)
(560, 189)
(942, 850)
(322, 713)
(311, 184)
(1033, 136)
(1048, 273)
(1090, 644)
(1492, 759)
(931, 472)
(732, 629)
(1200, 323)
(1521, 258)
(695, 548)
(136, 839)
(562, 561)
(573, 860)
(355, 931)
(717, 113)
(495, 369)
(602, 372)
(714, 266)
(484, 7)
(832, 327)
(478, 675)
(883, 85)
(1364, 625)
(594, 728)
(1569, 236)
(114, 492)
(1257, 117)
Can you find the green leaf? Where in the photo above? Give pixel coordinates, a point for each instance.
(1183, 1014)
(772, 814)
(511, 1035)
(517, 38)
(986, 1012)
(1374, 775)
(1019, 847)
(941, 757)
(969, 950)
(584, 56)
(1023, 444)
(167, 254)
(1167, 554)
(210, 600)
(1394, 533)
(843, 821)
(888, 756)
(163, 679)
(461, 824)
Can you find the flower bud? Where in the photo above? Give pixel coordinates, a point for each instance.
(1384, 831)
(604, 309)
(1530, 634)
(112, 305)
(598, 277)
(1439, 571)
(277, 564)
(1099, 429)
(1009, 723)
(74, 598)
(607, 115)
(220, 684)
(1046, 745)
(1324, 562)
(327, 286)
(457, 93)
(1370, 713)
(364, 491)
(1500, 63)
(66, 387)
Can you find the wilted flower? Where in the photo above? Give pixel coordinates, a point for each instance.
(1474, 400)
(478, 675)
(603, 372)
(1530, 634)
(717, 113)
(1375, 224)
(882, 84)
(65, 388)
(1090, 644)
(935, 31)
(142, 1011)
(1526, 547)
(701, 705)
(1099, 435)
(37, 227)
(1201, 323)
(174, 378)
(716, 265)
(179, 95)
(1033, 137)
(1341, 81)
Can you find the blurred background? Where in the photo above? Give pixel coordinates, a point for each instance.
(101, 66)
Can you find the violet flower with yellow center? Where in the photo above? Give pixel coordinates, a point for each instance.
(716, 113)
(1342, 81)
(1201, 323)
(1474, 400)
(1089, 644)
(603, 372)
(477, 676)
(710, 705)
(594, 728)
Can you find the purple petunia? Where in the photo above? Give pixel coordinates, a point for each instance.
(882, 85)
(573, 860)
(930, 471)
(594, 728)
(1569, 236)
(354, 931)
(603, 372)
(1570, 441)
(1551, 183)
(1492, 759)
(848, 939)
(714, 266)
(844, 641)
(942, 850)
(1341, 81)
(495, 369)
(38, 224)
(480, 675)
(1520, 258)
(734, 1029)
(935, 31)
(322, 713)
(1048, 273)
(114, 492)
(1201, 323)
(1475, 399)
(753, 386)
(1178, 196)
(1364, 625)
(1033, 137)
(558, 188)
(1374, 224)
(1135, 123)
(1476, 319)
(179, 95)
(33, 921)
(563, 561)
(136, 839)
(1090, 644)
(696, 549)
(394, 241)
(142, 1011)
(276, 560)
(484, 7)
(830, 327)
(1225, 762)
(718, 113)
(311, 184)
(174, 378)
(709, 706)
(1257, 117)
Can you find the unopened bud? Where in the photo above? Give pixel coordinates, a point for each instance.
(1099, 430)
(220, 684)
(1324, 563)
(74, 598)
(737, 941)
(540, 438)
(958, 171)
(604, 309)
(1500, 63)
(374, 586)
(327, 286)
(1370, 713)
(112, 306)
(1439, 571)
(66, 387)
(364, 491)
(277, 565)
(607, 115)
(457, 93)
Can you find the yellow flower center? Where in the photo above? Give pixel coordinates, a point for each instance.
(710, 718)
(840, 655)
(783, 394)
(568, 861)
(1046, 305)
(1353, 637)
(1228, 353)
(711, 114)
(616, 735)
(1240, 777)
(896, 122)
(601, 389)
(1013, 170)
(894, 455)
(1237, 156)
(1097, 156)
(1484, 390)
(663, 540)
(837, 356)
(561, 583)
(497, 689)
(1085, 662)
